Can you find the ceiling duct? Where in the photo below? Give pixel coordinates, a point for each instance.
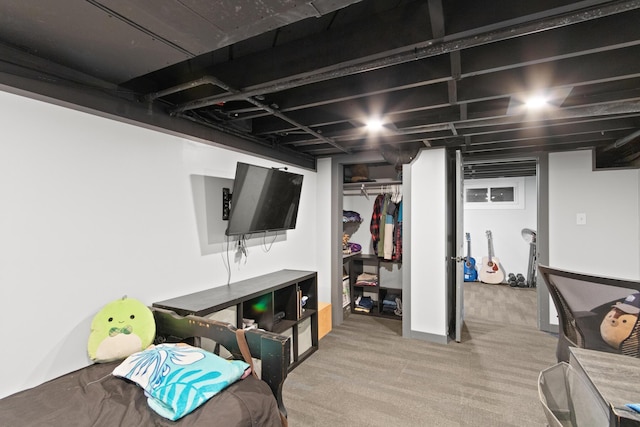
(399, 156)
(624, 153)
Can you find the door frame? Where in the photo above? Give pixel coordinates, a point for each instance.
(542, 233)
(542, 242)
(458, 240)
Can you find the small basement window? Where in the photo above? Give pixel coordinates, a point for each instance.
(502, 194)
(492, 194)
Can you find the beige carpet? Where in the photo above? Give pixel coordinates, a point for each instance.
(501, 303)
(366, 374)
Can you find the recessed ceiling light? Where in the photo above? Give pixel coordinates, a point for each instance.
(536, 101)
(374, 124)
(528, 102)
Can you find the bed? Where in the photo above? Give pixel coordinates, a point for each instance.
(92, 396)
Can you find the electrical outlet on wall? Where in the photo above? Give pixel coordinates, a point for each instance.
(581, 218)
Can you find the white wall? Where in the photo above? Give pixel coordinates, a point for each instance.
(427, 250)
(609, 243)
(506, 226)
(94, 209)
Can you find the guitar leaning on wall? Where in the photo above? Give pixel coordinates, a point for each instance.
(490, 272)
(470, 272)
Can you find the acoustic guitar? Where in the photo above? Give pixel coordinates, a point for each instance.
(490, 272)
(470, 272)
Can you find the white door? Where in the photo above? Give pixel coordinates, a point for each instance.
(459, 257)
(432, 261)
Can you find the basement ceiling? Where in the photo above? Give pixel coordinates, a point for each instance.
(297, 80)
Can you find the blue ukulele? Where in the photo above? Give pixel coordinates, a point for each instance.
(470, 272)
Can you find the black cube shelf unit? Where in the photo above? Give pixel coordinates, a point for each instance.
(360, 263)
(272, 300)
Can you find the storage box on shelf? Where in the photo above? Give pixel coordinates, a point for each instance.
(273, 302)
(382, 282)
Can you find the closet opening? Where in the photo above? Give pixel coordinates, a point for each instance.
(372, 241)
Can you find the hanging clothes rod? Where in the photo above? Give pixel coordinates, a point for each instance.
(369, 184)
(370, 187)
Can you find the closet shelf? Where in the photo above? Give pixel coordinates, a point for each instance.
(368, 186)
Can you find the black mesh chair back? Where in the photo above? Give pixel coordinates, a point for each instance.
(582, 301)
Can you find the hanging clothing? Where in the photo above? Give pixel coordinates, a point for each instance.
(389, 225)
(374, 226)
(386, 234)
(386, 225)
(383, 227)
(388, 241)
(397, 252)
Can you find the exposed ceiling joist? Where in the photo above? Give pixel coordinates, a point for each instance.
(299, 79)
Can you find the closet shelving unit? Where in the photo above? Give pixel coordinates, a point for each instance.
(372, 263)
(383, 178)
(359, 263)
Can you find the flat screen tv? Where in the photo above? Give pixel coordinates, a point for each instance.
(263, 199)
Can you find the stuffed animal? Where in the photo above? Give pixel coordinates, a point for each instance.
(619, 322)
(121, 328)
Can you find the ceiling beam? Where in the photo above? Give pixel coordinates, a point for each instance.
(211, 80)
(419, 51)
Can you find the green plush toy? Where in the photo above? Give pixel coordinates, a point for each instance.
(120, 329)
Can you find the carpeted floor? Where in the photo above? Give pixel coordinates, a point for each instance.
(366, 374)
(501, 303)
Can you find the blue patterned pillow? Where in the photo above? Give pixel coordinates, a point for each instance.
(177, 378)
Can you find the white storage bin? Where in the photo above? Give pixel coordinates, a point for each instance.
(304, 336)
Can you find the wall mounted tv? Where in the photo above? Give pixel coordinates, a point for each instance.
(263, 199)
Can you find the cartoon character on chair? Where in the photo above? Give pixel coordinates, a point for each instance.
(619, 322)
(121, 328)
